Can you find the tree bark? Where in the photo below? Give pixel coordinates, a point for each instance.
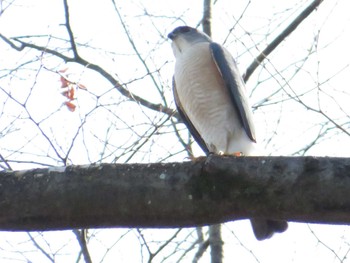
(207, 191)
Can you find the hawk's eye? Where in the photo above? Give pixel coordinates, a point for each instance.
(180, 30)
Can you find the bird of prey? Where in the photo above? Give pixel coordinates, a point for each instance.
(211, 98)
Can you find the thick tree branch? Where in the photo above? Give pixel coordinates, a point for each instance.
(207, 191)
(282, 36)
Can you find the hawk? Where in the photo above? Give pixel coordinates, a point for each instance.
(211, 98)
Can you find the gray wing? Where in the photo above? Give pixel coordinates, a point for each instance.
(235, 85)
(198, 138)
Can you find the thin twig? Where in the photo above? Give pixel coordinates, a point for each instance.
(8, 167)
(201, 249)
(40, 248)
(133, 45)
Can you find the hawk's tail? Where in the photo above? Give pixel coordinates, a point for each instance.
(265, 228)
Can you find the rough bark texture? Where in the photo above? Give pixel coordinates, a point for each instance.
(207, 191)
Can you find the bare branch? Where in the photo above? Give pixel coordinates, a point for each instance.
(206, 20)
(6, 162)
(201, 249)
(36, 47)
(215, 242)
(81, 237)
(165, 244)
(100, 70)
(69, 29)
(33, 239)
(271, 47)
(143, 62)
(5, 5)
(177, 194)
(8, 41)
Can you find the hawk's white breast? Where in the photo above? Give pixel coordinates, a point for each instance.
(206, 101)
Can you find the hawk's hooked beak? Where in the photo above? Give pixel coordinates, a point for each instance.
(171, 35)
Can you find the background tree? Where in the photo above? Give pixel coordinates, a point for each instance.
(84, 83)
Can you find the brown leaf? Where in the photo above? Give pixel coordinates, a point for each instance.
(64, 82)
(71, 106)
